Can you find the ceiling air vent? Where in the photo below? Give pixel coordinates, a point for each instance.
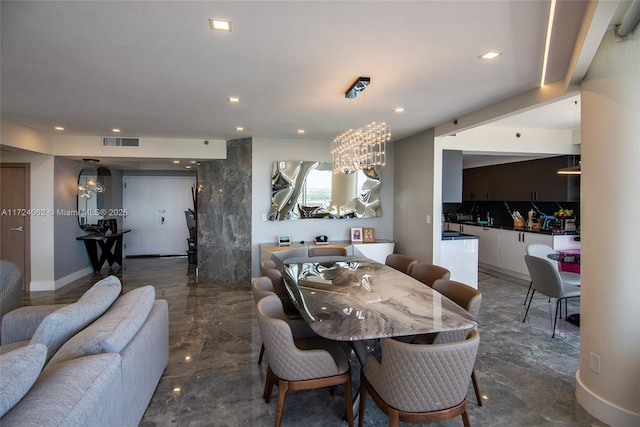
(120, 142)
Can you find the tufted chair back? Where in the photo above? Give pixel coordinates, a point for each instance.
(313, 252)
(403, 263)
(268, 268)
(261, 287)
(423, 378)
(286, 360)
(429, 273)
(466, 297)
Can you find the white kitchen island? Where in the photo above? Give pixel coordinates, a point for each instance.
(459, 255)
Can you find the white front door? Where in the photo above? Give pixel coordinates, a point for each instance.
(155, 214)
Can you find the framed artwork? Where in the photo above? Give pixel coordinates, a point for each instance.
(368, 235)
(284, 240)
(356, 234)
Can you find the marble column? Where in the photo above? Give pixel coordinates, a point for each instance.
(224, 215)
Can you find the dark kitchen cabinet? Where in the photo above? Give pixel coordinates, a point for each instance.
(529, 180)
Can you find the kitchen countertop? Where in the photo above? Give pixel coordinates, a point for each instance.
(511, 227)
(455, 235)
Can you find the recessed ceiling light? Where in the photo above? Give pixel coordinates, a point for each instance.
(176, 162)
(234, 99)
(58, 128)
(490, 55)
(398, 110)
(188, 167)
(220, 24)
(239, 128)
(300, 131)
(115, 130)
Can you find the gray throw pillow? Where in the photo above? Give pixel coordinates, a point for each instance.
(19, 369)
(62, 324)
(113, 330)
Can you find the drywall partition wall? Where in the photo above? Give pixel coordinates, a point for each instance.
(71, 259)
(414, 195)
(609, 375)
(268, 150)
(24, 138)
(224, 215)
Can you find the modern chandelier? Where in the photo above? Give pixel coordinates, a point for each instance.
(361, 148)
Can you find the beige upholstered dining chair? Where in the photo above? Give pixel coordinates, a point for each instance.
(420, 383)
(268, 268)
(541, 251)
(429, 273)
(299, 364)
(327, 252)
(466, 297)
(545, 278)
(400, 262)
(262, 287)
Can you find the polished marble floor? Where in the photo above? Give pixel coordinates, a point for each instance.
(527, 377)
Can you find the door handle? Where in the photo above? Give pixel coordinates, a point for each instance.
(17, 229)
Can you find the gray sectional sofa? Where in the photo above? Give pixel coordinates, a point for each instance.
(95, 362)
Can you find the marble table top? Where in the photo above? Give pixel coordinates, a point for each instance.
(356, 298)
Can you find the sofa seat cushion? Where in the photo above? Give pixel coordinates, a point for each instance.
(6, 348)
(19, 369)
(113, 330)
(64, 323)
(67, 393)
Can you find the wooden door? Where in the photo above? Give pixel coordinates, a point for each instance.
(14, 219)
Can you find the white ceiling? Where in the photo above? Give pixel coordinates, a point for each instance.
(155, 69)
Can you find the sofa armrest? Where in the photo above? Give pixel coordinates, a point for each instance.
(20, 324)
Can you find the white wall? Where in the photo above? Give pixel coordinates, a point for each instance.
(267, 150)
(610, 296)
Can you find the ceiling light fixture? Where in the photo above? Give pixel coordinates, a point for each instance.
(358, 86)
(175, 162)
(239, 128)
(58, 128)
(234, 99)
(220, 24)
(398, 110)
(547, 44)
(490, 55)
(361, 148)
(115, 130)
(300, 131)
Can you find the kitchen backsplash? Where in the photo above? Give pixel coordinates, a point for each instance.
(500, 211)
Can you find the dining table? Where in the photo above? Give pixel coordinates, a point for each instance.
(354, 299)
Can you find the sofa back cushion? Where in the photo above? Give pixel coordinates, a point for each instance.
(70, 393)
(19, 369)
(64, 323)
(113, 330)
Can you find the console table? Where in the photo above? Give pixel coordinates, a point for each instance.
(376, 251)
(110, 248)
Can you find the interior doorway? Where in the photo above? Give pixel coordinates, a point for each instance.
(155, 208)
(15, 217)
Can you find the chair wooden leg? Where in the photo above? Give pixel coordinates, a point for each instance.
(348, 402)
(465, 418)
(268, 386)
(394, 418)
(475, 386)
(261, 354)
(363, 399)
(527, 312)
(283, 387)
